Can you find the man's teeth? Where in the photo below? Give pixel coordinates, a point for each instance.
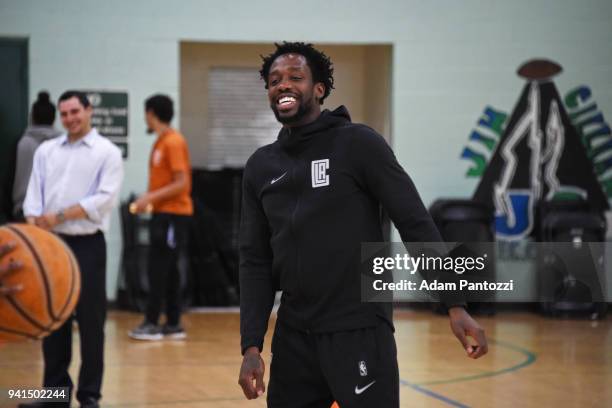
(285, 100)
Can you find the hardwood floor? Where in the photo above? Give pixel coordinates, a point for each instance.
(532, 362)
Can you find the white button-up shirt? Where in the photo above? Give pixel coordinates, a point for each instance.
(87, 172)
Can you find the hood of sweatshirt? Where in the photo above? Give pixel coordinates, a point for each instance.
(294, 139)
(41, 133)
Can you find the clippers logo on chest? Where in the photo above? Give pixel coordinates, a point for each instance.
(318, 171)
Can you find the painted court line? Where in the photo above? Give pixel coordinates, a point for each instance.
(530, 358)
(432, 394)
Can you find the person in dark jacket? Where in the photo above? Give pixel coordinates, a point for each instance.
(41, 129)
(309, 200)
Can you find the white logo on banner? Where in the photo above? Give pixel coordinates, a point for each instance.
(320, 178)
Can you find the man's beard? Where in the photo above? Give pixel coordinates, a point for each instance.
(303, 110)
(150, 131)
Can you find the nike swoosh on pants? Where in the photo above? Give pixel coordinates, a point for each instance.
(360, 390)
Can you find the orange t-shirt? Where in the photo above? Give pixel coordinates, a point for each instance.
(169, 155)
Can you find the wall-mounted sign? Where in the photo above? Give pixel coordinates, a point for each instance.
(548, 149)
(110, 116)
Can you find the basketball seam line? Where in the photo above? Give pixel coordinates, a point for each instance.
(43, 270)
(26, 315)
(17, 332)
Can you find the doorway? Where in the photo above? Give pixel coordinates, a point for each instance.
(13, 114)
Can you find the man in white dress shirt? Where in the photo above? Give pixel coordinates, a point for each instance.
(74, 184)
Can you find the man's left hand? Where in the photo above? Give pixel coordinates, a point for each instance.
(463, 326)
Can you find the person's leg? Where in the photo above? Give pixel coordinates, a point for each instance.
(296, 380)
(57, 354)
(361, 366)
(159, 263)
(177, 242)
(90, 252)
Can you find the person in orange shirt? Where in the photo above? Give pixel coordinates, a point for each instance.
(169, 199)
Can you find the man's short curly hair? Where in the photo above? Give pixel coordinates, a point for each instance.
(320, 65)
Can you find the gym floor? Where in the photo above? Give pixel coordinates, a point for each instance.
(532, 362)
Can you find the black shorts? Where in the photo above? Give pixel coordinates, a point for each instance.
(356, 368)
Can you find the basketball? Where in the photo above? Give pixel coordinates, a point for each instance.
(50, 281)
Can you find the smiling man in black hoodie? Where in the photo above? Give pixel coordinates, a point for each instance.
(309, 200)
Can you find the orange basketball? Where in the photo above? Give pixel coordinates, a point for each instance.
(50, 280)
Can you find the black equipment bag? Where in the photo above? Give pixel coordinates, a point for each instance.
(469, 221)
(133, 282)
(571, 272)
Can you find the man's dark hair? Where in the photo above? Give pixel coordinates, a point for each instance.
(43, 111)
(161, 106)
(75, 94)
(320, 65)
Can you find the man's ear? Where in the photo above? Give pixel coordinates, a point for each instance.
(319, 91)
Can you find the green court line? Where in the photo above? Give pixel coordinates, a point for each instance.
(435, 395)
(530, 358)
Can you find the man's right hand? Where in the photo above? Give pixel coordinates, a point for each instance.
(7, 269)
(252, 370)
(143, 204)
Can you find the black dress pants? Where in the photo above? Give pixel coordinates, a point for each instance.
(167, 263)
(90, 315)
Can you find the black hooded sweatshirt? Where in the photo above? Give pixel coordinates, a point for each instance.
(309, 200)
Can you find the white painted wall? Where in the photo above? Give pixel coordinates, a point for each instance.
(450, 59)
